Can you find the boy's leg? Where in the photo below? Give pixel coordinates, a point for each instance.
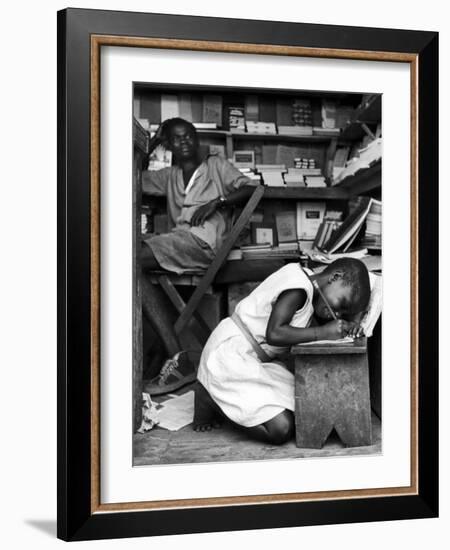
(207, 413)
(277, 430)
(154, 307)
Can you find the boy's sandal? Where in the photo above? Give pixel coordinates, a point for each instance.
(175, 373)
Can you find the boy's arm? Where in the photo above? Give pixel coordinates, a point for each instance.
(235, 197)
(279, 332)
(236, 187)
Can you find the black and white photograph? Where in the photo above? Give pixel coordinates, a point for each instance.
(257, 274)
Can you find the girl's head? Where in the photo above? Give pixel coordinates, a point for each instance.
(345, 285)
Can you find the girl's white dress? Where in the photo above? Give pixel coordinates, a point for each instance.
(248, 390)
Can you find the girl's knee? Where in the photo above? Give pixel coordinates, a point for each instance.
(281, 428)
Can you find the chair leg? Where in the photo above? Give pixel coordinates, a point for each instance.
(202, 331)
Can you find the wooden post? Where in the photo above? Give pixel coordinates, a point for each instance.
(140, 141)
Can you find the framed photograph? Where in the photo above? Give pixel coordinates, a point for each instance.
(336, 419)
(264, 233)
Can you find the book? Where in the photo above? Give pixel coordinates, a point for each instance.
(244, 159)
(261, 127)
(309, 217)
(185, 102)
(315, 181)
(197, 108)
(296, 130)
(236, 119)
(284, 111)
(235, 254)
(272, 178)
(347, 232)
(151, 108)
(272, 253)
(212, 109)
(286, 224)
(267, 109)
(169, 106)
(329, 113)
(251, 108)
(205, 125)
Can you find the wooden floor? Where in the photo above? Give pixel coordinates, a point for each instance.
(228, 443)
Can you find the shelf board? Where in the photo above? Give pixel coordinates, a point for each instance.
(306, 193)
(316, 138)
(363, 181)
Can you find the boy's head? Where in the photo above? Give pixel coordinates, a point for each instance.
(180, 136)
(346, 286)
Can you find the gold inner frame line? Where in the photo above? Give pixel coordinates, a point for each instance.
(97, 41)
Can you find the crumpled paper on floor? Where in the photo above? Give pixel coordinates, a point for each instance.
(150, 414)
(177, 412)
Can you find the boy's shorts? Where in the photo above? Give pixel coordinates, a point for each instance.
(180, 251)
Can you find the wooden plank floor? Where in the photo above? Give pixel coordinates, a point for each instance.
(228, 443)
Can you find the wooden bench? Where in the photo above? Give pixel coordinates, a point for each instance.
(332, 391)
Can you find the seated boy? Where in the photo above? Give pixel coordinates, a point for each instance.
(200, 194)
(239, 375)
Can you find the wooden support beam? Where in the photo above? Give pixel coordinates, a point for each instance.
(219, 259)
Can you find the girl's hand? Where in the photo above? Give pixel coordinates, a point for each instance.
(336, 329)
(356, 331)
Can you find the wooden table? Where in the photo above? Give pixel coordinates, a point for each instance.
(332, 391)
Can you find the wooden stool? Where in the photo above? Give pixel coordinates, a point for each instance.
(332, 391)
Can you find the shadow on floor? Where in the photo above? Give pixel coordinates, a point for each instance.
(47, 526)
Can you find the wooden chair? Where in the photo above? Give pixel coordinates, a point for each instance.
(203, 279)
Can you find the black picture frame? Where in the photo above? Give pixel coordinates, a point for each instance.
(78, 515)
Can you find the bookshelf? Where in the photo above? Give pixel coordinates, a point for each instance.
(355, 119)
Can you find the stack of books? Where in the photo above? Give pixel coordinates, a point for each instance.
(343, 237)
(302, 112)
(272, 174)
(315, 181)
(325, 232)
(205, 125)
(261, 127)
(250, 173)
(372, 237)
(294, 178)
(305, 163)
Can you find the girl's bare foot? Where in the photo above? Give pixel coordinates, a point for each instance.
(207, 414)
